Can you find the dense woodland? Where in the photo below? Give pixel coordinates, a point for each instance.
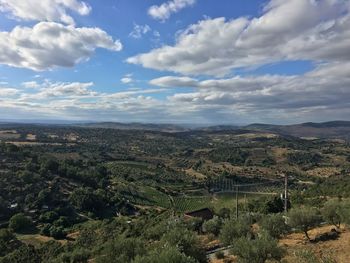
(79, 194)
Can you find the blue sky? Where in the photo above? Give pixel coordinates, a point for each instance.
(176, 61)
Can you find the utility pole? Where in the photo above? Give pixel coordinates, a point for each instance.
(236, 201)
(285, 193)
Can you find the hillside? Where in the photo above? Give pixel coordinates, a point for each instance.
(74, 184)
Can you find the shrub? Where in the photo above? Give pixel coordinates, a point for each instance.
(20, 222)
(48, 217)
(168, 254)
(212, 226)
(186, 241)
(234, 229)
(274, 225)
(257, 250)
(220, 255)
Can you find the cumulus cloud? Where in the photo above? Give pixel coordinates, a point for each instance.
(139, 31)
(319, 95)
(44, 10)
(77, 100)
(171, 81)
(8, 92)
(287, 30)
(48, 45)
(324, 89)
(165, 10)
(126, 80)
(31, 85)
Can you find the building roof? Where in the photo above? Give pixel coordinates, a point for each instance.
(204, 213)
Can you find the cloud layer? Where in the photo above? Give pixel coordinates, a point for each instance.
(288, 30)
(165, 10)
(319, 95)
(48, 45)
(44, 10)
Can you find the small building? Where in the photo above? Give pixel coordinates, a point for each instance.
(204, 214)
(13, 206)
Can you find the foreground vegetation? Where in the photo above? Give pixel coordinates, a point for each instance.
(72, 194)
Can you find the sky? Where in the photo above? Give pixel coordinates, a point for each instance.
(176, 61)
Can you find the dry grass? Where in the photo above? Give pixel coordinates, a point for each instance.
(31, 137)
(338, 249)
(195, 174)
(9, 134)
(323, 171)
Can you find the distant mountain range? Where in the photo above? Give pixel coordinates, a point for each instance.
(324, 130)
(328, 130)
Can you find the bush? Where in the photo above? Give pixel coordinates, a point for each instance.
(122, 249)
(234, 229)
(212, 226)
(257, 250)
(186, 241)
(48, 217)
(57, 232)
(168, 255)
(274, 225)
(220, 255)
(20, 222)
(6, 236)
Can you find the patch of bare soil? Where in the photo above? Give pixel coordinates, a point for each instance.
(338, 249)
(195, 174)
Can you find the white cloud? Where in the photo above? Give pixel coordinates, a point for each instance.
(287, 30)
(139, 31)
(126, 80)
(273, 97)
(44, 10)
(52, 90)
(164, 11)
(8, 92)
(48, 45)
(170, 81)
(31, 85)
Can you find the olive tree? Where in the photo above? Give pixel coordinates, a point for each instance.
(275, 225)
(304, 219)
(257, 250)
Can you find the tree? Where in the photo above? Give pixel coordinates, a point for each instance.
(25, 254)
(257, 250)
(274, 205)
(224, 213)
(48, 217)
(167, 254)
(212, 226)
(344, 212)
(122, 249)
(186, 241)
(331, 212)
(274, 225)
(19, 222)
(6, 236)
(304, 219)
(234, 229)
(87, 200)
